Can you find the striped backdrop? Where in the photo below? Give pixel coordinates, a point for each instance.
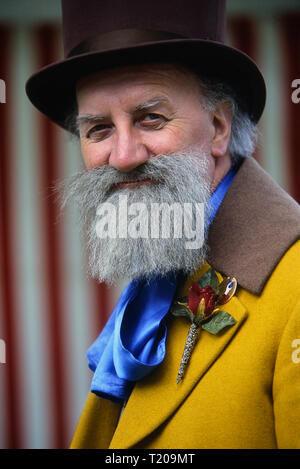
(49, 311)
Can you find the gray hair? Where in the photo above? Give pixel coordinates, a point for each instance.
(244, 132)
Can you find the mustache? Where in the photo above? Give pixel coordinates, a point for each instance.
(161, 169)
(106, 178)
(110, 178)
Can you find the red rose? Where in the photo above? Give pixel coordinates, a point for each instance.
(195, 296)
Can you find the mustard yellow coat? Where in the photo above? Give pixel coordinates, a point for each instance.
(241, 389)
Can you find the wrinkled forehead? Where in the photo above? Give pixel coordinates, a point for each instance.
(170, 75)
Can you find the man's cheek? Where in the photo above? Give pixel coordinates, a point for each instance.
(91, 155)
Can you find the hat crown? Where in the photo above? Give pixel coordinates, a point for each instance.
(192, 19)
(100, 35)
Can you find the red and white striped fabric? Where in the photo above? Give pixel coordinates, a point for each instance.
(49, 311)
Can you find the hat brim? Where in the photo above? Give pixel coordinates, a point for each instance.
(52, 90)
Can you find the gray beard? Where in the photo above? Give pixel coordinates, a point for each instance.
(179, 178)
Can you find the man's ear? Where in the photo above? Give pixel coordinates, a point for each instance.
(221, 120)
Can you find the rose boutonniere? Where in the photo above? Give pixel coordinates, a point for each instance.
(202, 308)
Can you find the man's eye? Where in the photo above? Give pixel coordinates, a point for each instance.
(97, 130)
(153, 120)
(152, 116)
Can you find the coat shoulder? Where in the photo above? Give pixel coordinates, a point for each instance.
(281, 293)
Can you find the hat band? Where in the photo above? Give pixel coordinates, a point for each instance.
(120, 39)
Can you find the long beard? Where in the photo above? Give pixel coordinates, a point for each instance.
(179, 178)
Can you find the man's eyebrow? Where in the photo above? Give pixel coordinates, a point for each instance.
(84, 119)
(151, 103)
(88, 119)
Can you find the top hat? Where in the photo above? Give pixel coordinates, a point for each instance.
(103, 34)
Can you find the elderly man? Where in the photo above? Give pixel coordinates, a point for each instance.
(202, 349)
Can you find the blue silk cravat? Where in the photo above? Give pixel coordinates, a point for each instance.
(132, 342)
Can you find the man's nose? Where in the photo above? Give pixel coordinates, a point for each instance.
(128, 151)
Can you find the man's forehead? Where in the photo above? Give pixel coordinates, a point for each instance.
(155, 73)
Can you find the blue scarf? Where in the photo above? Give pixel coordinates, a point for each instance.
(132, 343)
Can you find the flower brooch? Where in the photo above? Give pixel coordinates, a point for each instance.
(201, 307)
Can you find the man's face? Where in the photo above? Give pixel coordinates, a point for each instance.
(146, 138)
(132, 114)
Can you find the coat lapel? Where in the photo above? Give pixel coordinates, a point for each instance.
(156, 397)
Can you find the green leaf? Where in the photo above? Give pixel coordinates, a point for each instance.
(209, 278)
(218, 322)
(181, 310)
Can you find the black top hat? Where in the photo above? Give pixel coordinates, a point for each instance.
(104, 34)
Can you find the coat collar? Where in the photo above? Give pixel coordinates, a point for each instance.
(255, 225)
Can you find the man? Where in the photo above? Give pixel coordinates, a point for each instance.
(202, 349)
